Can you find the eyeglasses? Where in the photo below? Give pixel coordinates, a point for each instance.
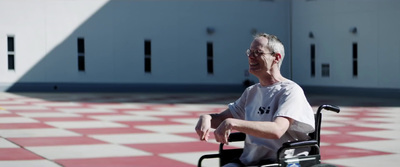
(256, 53)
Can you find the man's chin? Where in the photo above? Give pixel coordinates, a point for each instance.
(254, 71)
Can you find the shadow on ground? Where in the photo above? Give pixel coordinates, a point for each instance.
(204, 98)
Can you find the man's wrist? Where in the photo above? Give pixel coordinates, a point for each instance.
(206, 117)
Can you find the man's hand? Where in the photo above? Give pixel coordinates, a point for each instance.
(223, 131)
(203, 127)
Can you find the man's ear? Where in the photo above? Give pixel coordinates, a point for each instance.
(278, 57)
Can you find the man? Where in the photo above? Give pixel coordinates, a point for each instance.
(271, 112)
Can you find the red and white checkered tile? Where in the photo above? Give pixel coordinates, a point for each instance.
(120, 130)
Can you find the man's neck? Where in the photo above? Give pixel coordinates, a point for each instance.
(270, 79)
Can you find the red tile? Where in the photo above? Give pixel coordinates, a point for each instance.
(142, 161)
(361, 116)
(351, 128)
(51, 119)
(102, 114)
(194, 135)
(346, 138)
(161, 148)
(24, 126)
(7, 154)
(9, 115)
(53, 141)
(93, 131)
(136, 123)
(31, 111)
(338, 152)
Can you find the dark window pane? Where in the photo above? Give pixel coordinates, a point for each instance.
(312, 51)
(81, 63)
(325, 70)
(210, 66)
(81, 45)
(10, 42)
(147, 65)
(11, 63)
(355, 68)
(210, 50)
(355, 50)
(147, 47)
(355, 59)
(210, 55)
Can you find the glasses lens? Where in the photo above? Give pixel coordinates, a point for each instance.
(248, 52)
(255, 53)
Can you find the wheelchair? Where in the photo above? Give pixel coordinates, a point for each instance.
(312, 159)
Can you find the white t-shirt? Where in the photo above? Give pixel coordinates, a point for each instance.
(259, 103)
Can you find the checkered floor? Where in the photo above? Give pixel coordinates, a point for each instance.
(144, 130)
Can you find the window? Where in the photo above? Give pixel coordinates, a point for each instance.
(147, 56)
(11, 52)
(355, 59)
(312, 53)
(325, 70)
(210, 55)
(81, 54)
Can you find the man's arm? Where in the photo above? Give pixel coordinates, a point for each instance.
(208, 121)
(271, 130)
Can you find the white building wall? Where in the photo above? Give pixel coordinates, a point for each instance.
(46, 33)
(331, 22)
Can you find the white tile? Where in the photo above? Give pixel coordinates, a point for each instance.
(86, 110)
(117, 106)
(329, 132)
(193, 158)
(389, 126)
(324, 144)
(379, 160)
(326, 117)
(190, 107)
(386, 134)
(16, 120)
(85, 124)
(8, 102)
(46, 132)
(29, 163)
(168, 128)
(387, 110)
(4, 111)
(191, 121)
(391, 119)
(330, 124)
(25, 107)
(47, 114)
(125, 118)
(86, 151)
(142, 138)
(6, 144)
(156, 113)
(390, 146)
(57, 104)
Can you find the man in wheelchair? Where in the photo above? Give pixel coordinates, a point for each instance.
(270, 113)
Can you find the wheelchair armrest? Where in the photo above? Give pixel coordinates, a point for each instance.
(312, 144)
(237, 136)
(207, 156)
(300, 143)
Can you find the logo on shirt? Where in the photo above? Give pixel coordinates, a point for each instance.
(263, 110)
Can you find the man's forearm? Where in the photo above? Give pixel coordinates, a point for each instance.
(271, 130)
(217, 118)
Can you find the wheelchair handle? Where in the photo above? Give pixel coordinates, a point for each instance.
(329, 107)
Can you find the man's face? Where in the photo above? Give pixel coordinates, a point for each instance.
(262, 63)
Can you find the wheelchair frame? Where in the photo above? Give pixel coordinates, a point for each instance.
(228, 155)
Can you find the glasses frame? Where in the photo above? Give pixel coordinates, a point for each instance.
(256, 53)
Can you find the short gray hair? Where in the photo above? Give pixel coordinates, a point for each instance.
(274, 44)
